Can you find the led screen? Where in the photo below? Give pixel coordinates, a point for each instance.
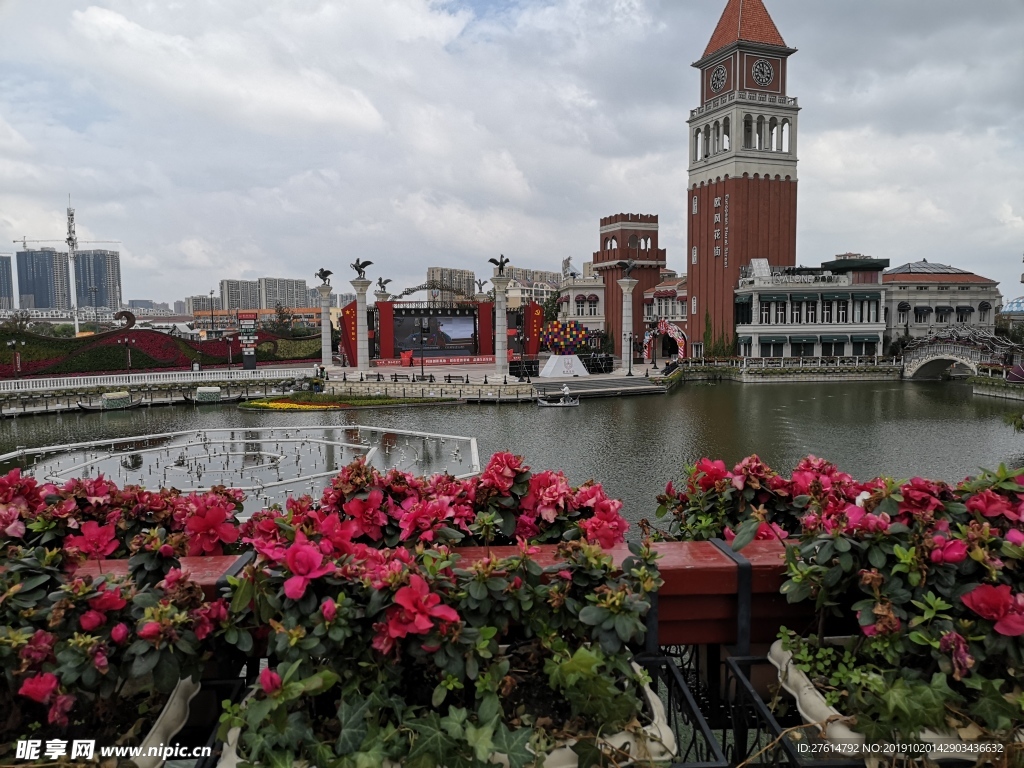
(444, 337)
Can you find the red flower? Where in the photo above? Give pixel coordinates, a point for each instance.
(1015, 537)
(997, 604)
(39, 649)
(416, 607)
(765, 532)
(920, 495)
(11, 524)
(58, 714)
(306, 563)
(502, 470)
(956, 646)
(424, 518)
(107, 599)
(151, 630)
(90, 620)
(951, 552)
(212, 523)
(367, 514)
(270, 681)
(40, 688)
(707, 472)
(119, 633)
(96, 542)
(607, 527)
(991, 504)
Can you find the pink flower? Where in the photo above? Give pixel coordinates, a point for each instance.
(119, 633)
(40, 688)
(58, 714)
(920, 495)
(952, 552)
(96, 542)
(270, 681)
(526, 527)
(329, 609)
(765, 532)
(991, 504)
(549, 495)
(90, 620)
(211, 523)
(999, 605)
(108, 599)
(424, 518)
(956, 647)
(151, 630)
(502, 470)
(39, 648)
(592, 494)
(306, 563)
(1015, 537)
(368, 514)
(11, 524)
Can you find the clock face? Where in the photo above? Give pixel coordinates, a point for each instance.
(718, 78)
(762, 72)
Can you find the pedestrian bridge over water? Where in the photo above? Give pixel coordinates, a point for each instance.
(931, 356)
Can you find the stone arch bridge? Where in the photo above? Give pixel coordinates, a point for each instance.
(931, 356)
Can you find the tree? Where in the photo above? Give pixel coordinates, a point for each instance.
(551, 308)
(282, 322)
(18, 322)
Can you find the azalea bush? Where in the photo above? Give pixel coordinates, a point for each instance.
(411, 653)
(95, 657)
(924, 578)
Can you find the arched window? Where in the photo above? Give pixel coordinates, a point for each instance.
(615, 243)
(633, 242)
(648, 243)
(693, 255)
(774, 139)
(607, 243)
(785, 136)
(726, 138)
(707, 140)
(696, 144)
(694, 207)
(717, 138)
(759, 139)
(748, 132)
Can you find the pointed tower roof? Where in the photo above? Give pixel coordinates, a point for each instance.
(745, 20)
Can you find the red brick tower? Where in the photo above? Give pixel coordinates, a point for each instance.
(742, 188)
(626, 236)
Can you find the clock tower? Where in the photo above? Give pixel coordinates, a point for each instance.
(741, 200)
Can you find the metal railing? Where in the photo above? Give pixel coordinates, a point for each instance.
(136, 379)
(749, 363)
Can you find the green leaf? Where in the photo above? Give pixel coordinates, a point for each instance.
(242, 597)
(876, 557)
(437, 698)
(144, 664)
(166, 673)
(481, 739)
(490, 707)
(352, 718)
(745, 533)
(514, 745)
(431, 743)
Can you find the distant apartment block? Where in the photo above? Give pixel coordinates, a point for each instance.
(344, 299)
(283, 291)
(313, 298)
(521, 275)
(141, 304)
(6, 284)
(463, 282)
(179, 308)
(98, 279)
(194, 304)
(43, 279)
(240, 294)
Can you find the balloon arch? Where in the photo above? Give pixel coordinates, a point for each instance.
(666, 328)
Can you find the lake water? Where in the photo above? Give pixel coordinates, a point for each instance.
(635, 445)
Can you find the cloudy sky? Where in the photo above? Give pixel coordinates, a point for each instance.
(247, 139)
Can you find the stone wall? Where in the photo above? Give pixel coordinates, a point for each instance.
(997, 388)
(767, 375)
(439, 389)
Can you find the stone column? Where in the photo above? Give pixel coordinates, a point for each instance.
(500, 283)
(361, 284)
(482, 298)
(627, 284)
(325, 324)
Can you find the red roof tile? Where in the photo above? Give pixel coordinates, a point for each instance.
(746, 20)
(917, 277)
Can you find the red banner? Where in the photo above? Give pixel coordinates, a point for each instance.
(348, 332)
(534, 322)
(485, 329)
(467, 360)
(386, 328)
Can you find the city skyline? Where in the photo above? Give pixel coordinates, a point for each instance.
(490, 128)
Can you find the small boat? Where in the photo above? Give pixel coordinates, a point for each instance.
(107, 408)
(223, 399)
(565, 402)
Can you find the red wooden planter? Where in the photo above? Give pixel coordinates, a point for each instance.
(205, 570)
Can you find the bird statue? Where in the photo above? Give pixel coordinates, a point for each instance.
(382, 284)
(500, 263)
(627, 267)
(360, 268)
(480, 285)
(324, 275)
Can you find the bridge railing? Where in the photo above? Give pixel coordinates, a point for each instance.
(139, 379)
(936, 351)
(745, 363)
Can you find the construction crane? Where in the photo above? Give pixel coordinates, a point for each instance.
(72, 242)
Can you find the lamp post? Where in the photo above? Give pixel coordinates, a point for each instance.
(654, 349)
(12, 344)
(424, 327)
(627, 344)
(128, 349)
(521, 338)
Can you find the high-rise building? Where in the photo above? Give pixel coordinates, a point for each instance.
(240, 294)
(141, 304)
(743, 184)
(313, 298)
(179, 308)
(6, 284)
(98, 279)
(344, 299)
(523, 275)
(448, 285)
(43, 279)
(283, 291)
(194, 304)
